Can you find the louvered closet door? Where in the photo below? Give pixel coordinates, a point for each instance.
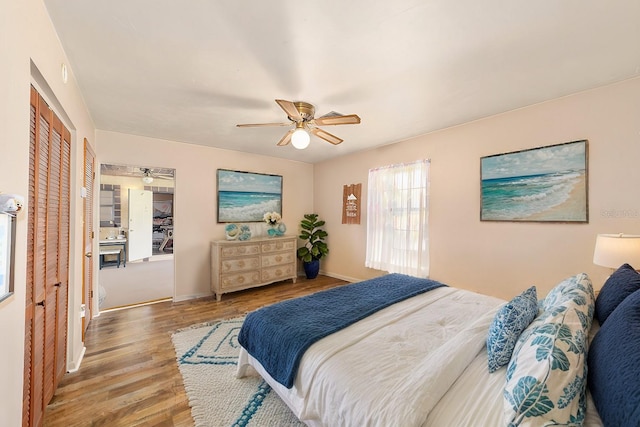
(47, 259)
(52, 262)
(62, 302)
(34, 315)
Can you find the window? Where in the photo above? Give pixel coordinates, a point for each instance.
(397, 219)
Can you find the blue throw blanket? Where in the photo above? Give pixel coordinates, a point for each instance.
(278, 335)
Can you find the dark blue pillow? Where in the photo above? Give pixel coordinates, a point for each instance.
(622, 283)
(614, 365)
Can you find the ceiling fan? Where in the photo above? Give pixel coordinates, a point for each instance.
(301, 114)
(149, 174)
(136, 171)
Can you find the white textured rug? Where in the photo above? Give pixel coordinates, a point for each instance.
(207, 357)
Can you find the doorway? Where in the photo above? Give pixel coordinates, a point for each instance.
(136, 263)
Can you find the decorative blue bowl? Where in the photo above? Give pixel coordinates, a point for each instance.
(231, 231)
(245, 232)
(277, 230)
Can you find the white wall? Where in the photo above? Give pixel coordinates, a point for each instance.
(31, 53)
(501, 258)
(195, 195)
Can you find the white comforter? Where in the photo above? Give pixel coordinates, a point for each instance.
(392, 368)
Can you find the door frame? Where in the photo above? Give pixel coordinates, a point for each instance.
(127, 170)
(88, 219)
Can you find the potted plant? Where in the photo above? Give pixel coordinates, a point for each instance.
(314, 248)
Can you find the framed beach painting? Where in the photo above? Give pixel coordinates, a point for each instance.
(247, 196)
(544, 184)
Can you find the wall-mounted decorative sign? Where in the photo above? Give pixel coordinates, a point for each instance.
(545, 184)
(246, 196)
(351, 204)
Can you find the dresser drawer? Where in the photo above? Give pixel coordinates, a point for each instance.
(240, 280)
(232, 251)
(276, 245)
(239, 264)
(277, 259)
(272, 274)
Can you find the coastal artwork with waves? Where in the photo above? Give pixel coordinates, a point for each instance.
(246, 196)
(540, 184)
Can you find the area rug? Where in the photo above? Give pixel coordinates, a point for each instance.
(207, 358)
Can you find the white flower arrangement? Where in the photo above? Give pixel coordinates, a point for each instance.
(272, 218)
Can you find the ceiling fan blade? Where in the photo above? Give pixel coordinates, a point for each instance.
(325, 135)
(286, 139)
(249, 125)
(290, 108)
(347, 119)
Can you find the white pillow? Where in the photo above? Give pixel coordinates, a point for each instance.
(546, 377)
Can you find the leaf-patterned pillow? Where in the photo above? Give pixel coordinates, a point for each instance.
(546, 377)
(508, 323)
(560, 292)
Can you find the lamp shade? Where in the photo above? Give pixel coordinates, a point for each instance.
(147, 179)
(300, 139)
(613, 250)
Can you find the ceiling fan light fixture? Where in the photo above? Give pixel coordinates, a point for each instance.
(301, 114)
(300, 139)
(146, 176)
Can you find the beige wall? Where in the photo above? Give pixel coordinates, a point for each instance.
(195, 195)
(496, 258)
(31, 54)
(14, 120)
(502, 258)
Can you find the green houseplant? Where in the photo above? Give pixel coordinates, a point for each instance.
(314, 248)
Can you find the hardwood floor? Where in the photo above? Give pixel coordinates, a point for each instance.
(129, 375)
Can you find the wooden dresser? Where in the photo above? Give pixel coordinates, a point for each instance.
(237, 265)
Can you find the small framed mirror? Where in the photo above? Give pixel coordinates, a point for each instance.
(7, 247)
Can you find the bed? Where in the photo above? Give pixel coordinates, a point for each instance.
(424, 360)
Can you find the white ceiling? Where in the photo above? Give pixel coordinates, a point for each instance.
(189, 71)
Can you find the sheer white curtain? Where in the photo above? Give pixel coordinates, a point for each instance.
(397, 219)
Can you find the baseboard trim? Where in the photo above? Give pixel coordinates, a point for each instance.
(181, 298)
(76, 366)
(138, 304)
(341, 277)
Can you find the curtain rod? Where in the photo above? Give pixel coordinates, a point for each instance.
(400, 164)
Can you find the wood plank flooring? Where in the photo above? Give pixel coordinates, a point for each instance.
(129, 375)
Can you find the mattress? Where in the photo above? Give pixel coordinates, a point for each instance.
(420, 362)
(415, 349)
(475, 399)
